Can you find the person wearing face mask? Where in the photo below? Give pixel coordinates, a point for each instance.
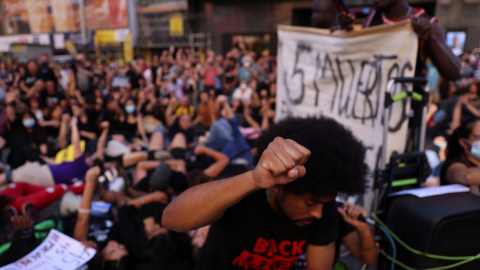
(27, 140)
(248, 70)
(463, 156)
(131, 122)
(242, 95)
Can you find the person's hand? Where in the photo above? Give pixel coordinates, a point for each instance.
(11, 97)
(55, 123)
(222, 99)
(350, 213)
(422, 27)
(73, 121)
(89, 244)
(200, 149)
(281, 163)
(104, 125)
(463, 99)
(21, 223)
(172, 102)
(346, 21)
(65, 118)
(161, 196)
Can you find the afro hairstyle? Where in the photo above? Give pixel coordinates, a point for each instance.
(337, 161)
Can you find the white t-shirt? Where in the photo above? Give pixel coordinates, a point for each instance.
(147, 75)
(243, 94)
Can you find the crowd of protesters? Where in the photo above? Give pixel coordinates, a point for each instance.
(133, 135)
(453, 105)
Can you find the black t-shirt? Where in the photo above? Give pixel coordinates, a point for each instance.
(343, 229)
(49, 100)
(446, 165)
(134, 77)
(88, 126)
(46, 74)
(19, 136)
(251, 235)
(30, 79)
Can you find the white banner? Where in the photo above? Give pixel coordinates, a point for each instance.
(343, 76)
(5, 41)
(57, 251)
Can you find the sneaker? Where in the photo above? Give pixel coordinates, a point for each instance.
(8, 213)
(29, 210)
(117, 185)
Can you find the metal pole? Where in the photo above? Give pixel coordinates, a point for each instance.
(83, 26)
(383, 159)
(132, 21)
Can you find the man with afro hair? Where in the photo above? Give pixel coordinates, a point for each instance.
(266, 218)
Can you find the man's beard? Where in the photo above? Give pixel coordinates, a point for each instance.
(283, 214)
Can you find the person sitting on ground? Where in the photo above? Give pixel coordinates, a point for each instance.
(26, 138)
(51, 173)
(463, 156)
(140, 241)
(356, 235)
(225, 135)
(283, 202)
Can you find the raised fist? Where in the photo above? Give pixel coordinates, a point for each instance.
(281, 163)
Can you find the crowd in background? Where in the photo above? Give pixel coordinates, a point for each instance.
(132, 135)
(452, 104)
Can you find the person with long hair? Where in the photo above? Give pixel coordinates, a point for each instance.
(463, 156)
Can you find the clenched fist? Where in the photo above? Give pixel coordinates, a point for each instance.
(281, 163)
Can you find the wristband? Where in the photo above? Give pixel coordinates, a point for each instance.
(83, 211)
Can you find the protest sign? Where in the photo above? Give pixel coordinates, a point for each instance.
(343, 76)
(120, 81)
(57, 252)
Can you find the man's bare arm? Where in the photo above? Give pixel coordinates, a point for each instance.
(281, 163)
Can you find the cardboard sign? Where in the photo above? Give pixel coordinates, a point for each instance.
(57, 252)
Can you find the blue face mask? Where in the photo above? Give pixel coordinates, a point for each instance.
(130, 108)
(29, 122)
(475, 149)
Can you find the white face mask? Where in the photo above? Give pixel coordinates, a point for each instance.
(442, 144)
(243, 86)
(130, 108)
(475, 149)
(246, 64)
(28, 123)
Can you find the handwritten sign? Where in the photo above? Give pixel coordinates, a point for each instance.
(57, 252)
(120, 81)
(344, 75)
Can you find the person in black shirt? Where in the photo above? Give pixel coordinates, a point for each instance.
(51, 96)
(86, 125)
(463, 156)
(133, 75)
(47, 71)
(83, 74)
(269, 216)
(31, 84)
